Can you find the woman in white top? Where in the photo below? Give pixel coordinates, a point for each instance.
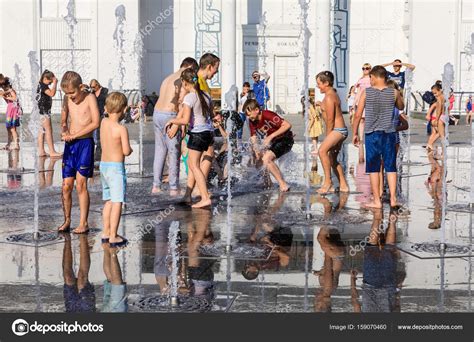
(197, 112)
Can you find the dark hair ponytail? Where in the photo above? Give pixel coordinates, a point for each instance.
(5, 83)
(46, 74)
(191, 77)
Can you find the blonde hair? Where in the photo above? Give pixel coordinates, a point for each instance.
(71, 79)
(367, 65)
(116, 102)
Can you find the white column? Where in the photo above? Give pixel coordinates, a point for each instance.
(322, 40)
(229, 55)
(322, 36)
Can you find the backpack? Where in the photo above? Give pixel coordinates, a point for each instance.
(429, 98)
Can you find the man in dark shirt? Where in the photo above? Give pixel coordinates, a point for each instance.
(101, 94)
(397, 75)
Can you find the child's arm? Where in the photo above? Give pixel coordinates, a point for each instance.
(126, 148)
(430, 111)
(95, 119)
(328, 105)
(64, 118)
(399, 103)
(52, 91)
(10, 95)
(403, 123)
(285, 126)
(183, 117)
(357, 118)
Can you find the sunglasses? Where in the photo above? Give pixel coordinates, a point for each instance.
(366, 68)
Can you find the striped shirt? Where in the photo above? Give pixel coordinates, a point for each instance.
(379, 106)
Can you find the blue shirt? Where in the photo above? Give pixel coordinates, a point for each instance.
(399, 78)
(258, 89)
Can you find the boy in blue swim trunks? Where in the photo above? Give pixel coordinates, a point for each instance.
(79, 119)
(378, 101)
(115, 147)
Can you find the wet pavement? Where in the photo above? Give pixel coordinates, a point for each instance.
(281, 259)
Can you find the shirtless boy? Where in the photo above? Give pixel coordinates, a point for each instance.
(79, 119)
(115, 147)
(167, 107)
(336, 133)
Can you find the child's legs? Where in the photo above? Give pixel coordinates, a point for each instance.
(49, 133)
(68, 272)
(41, 135)
(441, 129)
(14, 134)
(381, 183)
(269, 163)
(362, 142)
(161, 149)
(375, 186)
(115, 214)
(392, 185)
(174, 153)
(337, 167)
(195, 166)
(68, 185)
(206, 161)
(315, 143)
(106, 212)
(331, 141)
(83, 195)
(9, 132)
(84, 262)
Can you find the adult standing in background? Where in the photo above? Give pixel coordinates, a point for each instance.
(101, 94)
(260, 89)
(398, 75)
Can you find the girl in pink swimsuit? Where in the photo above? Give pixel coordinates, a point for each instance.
(362, 84)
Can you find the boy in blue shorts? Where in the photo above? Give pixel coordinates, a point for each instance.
(115, 147)
(379, 101)
(79, 119)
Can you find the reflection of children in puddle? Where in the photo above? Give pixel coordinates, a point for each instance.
(79, 293)
(268, 232)
(13, 177)
(115, 290)
(435, 188)
(199, 270)
(334, 251)
(331, 207)
(382, 277)
(46, 175)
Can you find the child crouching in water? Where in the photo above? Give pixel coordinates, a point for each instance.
(115, 147)
(196, 111)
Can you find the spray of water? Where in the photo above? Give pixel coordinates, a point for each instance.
(18, 85)
(34, 126)
(230, 124)
(448, 79)
(173, 252)
(305, 33)
(71, 22)
(119, 39)
(263, 52)
(138, 49)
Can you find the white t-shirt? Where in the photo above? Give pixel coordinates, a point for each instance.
(198, 123)
(242, 101)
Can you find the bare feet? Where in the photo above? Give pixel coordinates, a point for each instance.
(202, 204)
(116, 239)
(325, 189)
(81, 229)
(42, 154)
(65, 227)
(344, 190)
(284, 188)
(55, 155)
(175, 193)
(156, 190)
(373, 205)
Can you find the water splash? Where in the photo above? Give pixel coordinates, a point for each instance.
(110, 85)
(305, 32)
(448, 79)
(18, 82)
(173, 252)
(263, 51)
(71, 22)
(119, 39)
(229, 182)
(34, 126)
(138, 50)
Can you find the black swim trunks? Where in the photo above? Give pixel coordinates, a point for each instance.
(283, 145)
